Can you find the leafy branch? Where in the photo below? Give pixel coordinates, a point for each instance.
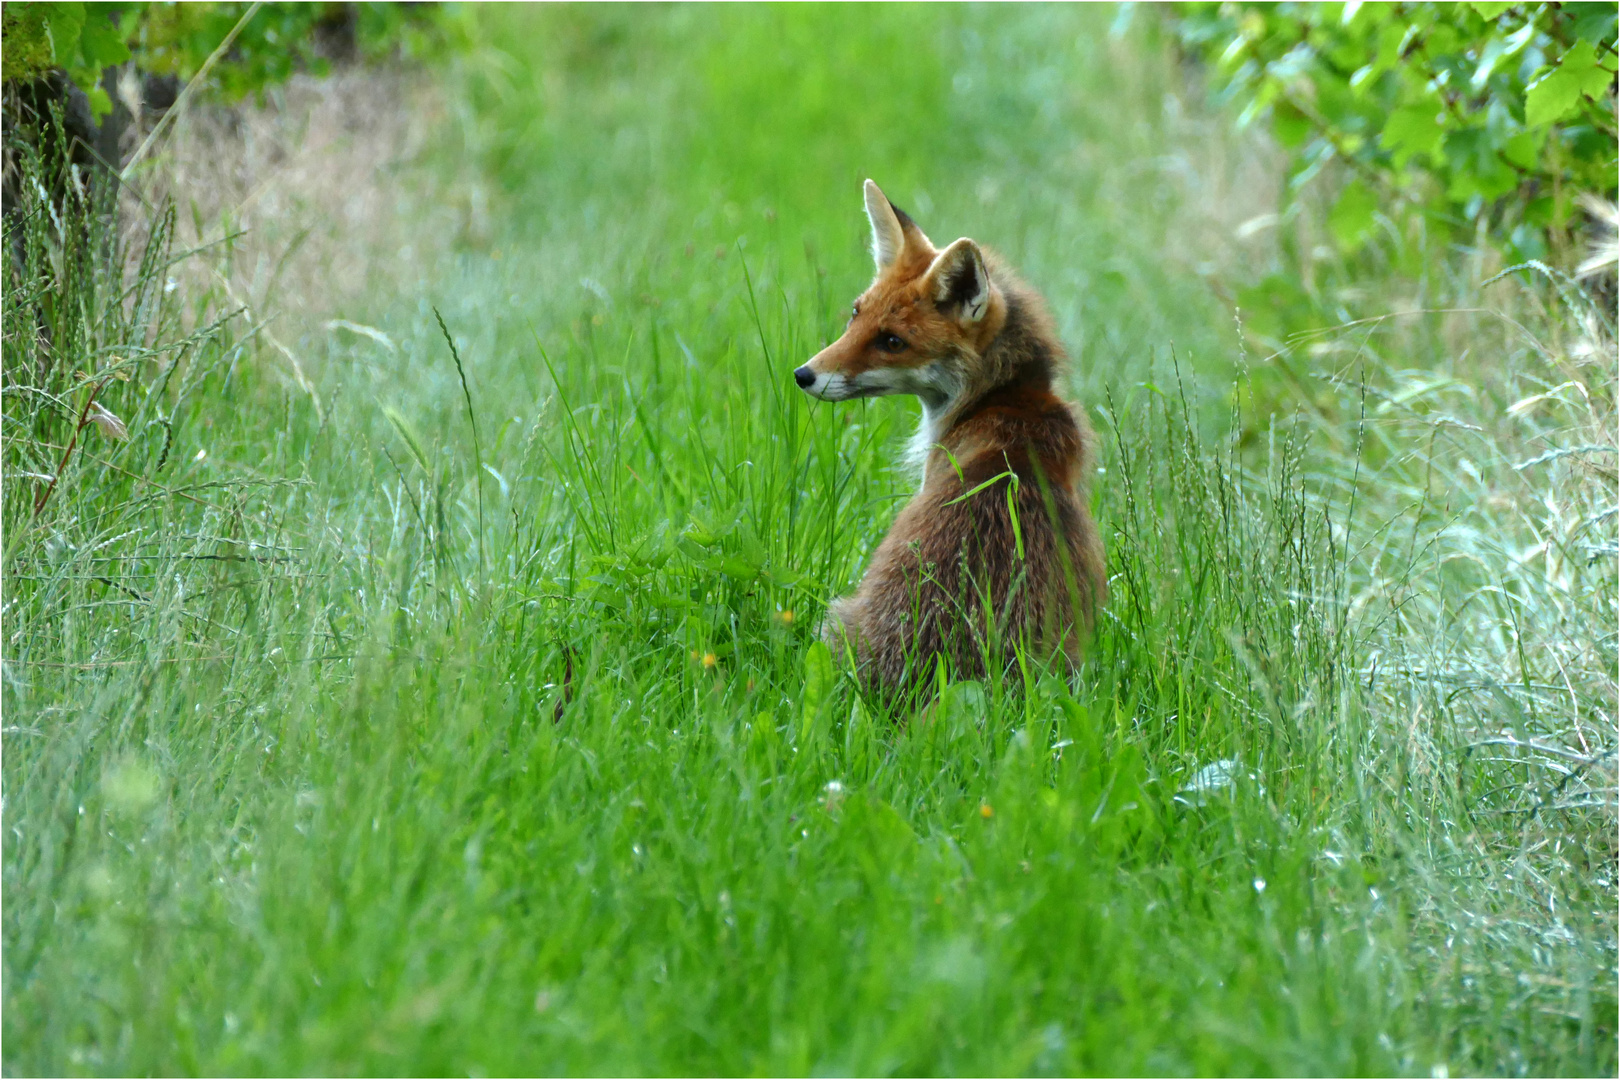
(1484, 113)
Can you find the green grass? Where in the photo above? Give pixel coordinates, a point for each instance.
(327, 751)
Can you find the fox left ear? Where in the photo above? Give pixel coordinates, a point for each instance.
(888, 237)
(894, 235)
(958, 280)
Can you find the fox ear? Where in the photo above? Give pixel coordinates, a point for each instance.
(894, 234)
(959, 281)
(888, 238)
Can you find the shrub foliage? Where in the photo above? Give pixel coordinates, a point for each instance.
(270, 44)
(1486, 114)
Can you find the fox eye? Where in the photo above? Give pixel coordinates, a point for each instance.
(889, 343)
(854, 311)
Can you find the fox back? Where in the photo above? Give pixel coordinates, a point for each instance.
(997, 549)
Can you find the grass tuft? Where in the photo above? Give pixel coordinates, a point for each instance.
(472, 422)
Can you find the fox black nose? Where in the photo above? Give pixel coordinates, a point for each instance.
(804, 376)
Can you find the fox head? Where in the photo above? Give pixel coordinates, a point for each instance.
(918, 329)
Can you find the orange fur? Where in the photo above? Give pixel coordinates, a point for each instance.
(998, 547)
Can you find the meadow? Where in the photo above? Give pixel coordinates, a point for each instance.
(427, 683)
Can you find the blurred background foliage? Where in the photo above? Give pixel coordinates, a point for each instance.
(1488, 117)
(267, 43)
(41, 38)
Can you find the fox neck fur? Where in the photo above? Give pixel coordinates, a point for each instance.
(1022, 352)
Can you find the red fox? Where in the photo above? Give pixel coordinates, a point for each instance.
(998, 547)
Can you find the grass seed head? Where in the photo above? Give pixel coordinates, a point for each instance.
(108, 422)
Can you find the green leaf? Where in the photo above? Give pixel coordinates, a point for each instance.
(1442, 40)
(100, 43)
(781, 575)
(1476, 167)
(1539, 212)
(818, 683)
(962, 707)
(1524, 148)
(1490, 11)
(1488, 179)
(100, 103)
(1291, 126)
(738, 569)
(1594, 22)
(63, 22)
(1557, 94)
(1391, 38)
(1352, 216)
(1494, 50)
(609, 596)
(1412, 130)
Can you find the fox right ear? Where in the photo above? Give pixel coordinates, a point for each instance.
(960, 282)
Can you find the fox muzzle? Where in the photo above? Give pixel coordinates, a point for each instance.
(828, 386)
